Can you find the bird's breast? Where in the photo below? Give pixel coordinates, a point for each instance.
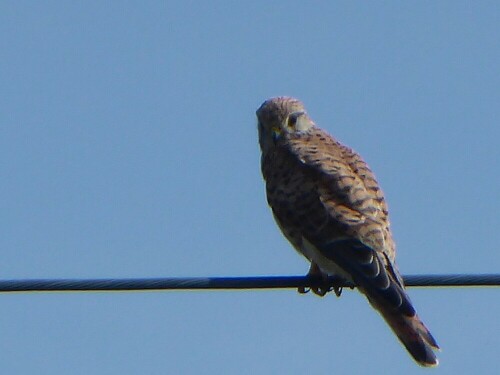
(293, 195)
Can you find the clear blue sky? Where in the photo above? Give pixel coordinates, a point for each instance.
(128, 148)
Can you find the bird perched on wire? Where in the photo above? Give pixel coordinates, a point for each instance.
(328, 204)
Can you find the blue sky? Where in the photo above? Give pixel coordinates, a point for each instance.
(128, 148)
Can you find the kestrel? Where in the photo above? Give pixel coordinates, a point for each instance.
(328, 204)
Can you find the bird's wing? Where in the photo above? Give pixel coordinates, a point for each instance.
(346, 187)
(349, 192)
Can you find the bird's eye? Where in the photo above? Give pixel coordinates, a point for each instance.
(292, 119)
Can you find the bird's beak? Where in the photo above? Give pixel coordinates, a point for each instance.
(276, 133)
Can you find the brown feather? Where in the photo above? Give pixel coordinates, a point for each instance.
(329, 205)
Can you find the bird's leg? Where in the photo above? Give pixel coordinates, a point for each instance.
(315, 272)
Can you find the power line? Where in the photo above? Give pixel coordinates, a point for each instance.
(206, 283)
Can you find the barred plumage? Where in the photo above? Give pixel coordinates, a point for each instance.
(328, 204)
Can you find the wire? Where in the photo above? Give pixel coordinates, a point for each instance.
(197, 283)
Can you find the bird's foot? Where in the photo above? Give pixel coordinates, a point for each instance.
(315, 273)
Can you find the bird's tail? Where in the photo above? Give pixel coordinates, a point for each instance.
(386, 293)
(414, 335)
(379, 280)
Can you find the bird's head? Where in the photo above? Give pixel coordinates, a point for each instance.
(280, 117)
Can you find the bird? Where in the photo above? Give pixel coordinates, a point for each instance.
(329, 206)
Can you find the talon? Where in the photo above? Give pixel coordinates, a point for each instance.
(320, 291)
(303, 290)
(337, 290)
(316, 273)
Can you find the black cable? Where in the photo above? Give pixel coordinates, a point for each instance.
(197, 283)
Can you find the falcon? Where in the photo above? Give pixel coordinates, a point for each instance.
(328, 204)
